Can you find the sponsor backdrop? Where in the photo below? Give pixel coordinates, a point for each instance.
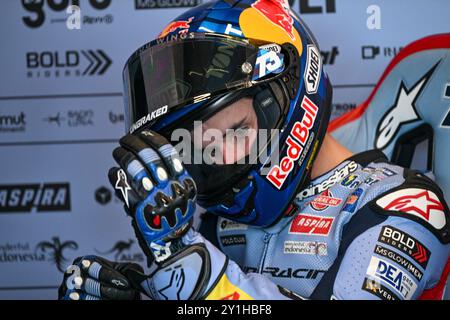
(61, 113)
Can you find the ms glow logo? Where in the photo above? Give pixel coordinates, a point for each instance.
(160, 4)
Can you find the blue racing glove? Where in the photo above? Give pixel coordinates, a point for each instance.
(159, 195)
(157, 191)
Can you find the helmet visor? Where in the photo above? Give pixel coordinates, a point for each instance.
(162, 76)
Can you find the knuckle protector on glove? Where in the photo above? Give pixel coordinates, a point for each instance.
(166, 206)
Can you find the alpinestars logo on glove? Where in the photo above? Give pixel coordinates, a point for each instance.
(122, 185)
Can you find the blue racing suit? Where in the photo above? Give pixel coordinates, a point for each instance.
(366, 229)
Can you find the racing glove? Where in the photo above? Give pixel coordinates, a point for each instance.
(95, 278)
(158, 193)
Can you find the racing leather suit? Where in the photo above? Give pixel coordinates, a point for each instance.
(367, 229)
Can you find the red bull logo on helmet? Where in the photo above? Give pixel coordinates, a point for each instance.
(277, 11)
(182, 25)
(272, 22)
(296, 144)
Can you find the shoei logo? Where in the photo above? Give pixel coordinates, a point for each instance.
(296, 142)
(151, 116)
(44, 197)
(38, 13)
(313, 70)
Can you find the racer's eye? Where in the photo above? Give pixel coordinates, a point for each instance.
(227, 136)
(242, 131)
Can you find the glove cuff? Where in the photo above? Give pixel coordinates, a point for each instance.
(184, 276)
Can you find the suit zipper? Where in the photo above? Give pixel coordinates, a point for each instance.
(266, 241)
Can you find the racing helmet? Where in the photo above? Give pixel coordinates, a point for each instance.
(237, 86)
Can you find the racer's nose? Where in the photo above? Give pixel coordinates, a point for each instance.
(237, 145)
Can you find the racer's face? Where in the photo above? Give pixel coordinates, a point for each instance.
(234, 132)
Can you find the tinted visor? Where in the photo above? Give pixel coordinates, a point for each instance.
(159, 77)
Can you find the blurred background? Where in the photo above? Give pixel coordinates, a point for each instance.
(61, 114)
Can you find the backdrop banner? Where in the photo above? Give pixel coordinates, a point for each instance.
(61, 114)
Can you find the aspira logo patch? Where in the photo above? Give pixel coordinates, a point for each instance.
(43, 197)
(312, 225)
(296, 143)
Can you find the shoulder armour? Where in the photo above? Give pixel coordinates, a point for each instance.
(418, 199)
